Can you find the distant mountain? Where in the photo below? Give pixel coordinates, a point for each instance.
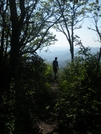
(63, 54)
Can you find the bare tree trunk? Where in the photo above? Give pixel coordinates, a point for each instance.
(72, 53)
(72, 38)
(14, 39)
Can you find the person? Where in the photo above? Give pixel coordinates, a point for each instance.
(55, 67)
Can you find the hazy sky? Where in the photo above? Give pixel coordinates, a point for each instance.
(88, 37)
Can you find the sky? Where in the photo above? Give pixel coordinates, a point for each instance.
(88, 38)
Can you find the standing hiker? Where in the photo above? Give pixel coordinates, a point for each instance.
(55, 67)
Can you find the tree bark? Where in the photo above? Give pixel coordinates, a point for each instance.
(16, 30)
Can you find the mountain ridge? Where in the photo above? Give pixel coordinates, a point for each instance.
(62, 54)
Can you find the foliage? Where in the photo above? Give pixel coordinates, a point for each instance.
(72, 15)
(94, 16)
(25, 89)
(24, 28)
(27, 99)
(78, 108)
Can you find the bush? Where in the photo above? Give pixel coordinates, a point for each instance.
(26, 97)
(78, 108)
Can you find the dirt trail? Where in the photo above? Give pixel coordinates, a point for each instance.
(48, 128)
(49, 125)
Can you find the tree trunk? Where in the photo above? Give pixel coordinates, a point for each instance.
(72, 35)
(14, 40)
(72, 41)
(72, 53)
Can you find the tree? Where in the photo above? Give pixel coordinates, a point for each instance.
(95, 17)
(72, 15)
(24, 28)
(79, 103)
(30, 24)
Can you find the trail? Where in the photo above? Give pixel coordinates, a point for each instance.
(50, 125)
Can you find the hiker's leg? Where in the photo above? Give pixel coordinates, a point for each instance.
(55, 72)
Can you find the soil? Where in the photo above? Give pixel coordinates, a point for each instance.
(49, 125)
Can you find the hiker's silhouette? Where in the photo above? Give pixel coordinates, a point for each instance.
(55, 67)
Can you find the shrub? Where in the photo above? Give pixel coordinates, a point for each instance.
(78, 108)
